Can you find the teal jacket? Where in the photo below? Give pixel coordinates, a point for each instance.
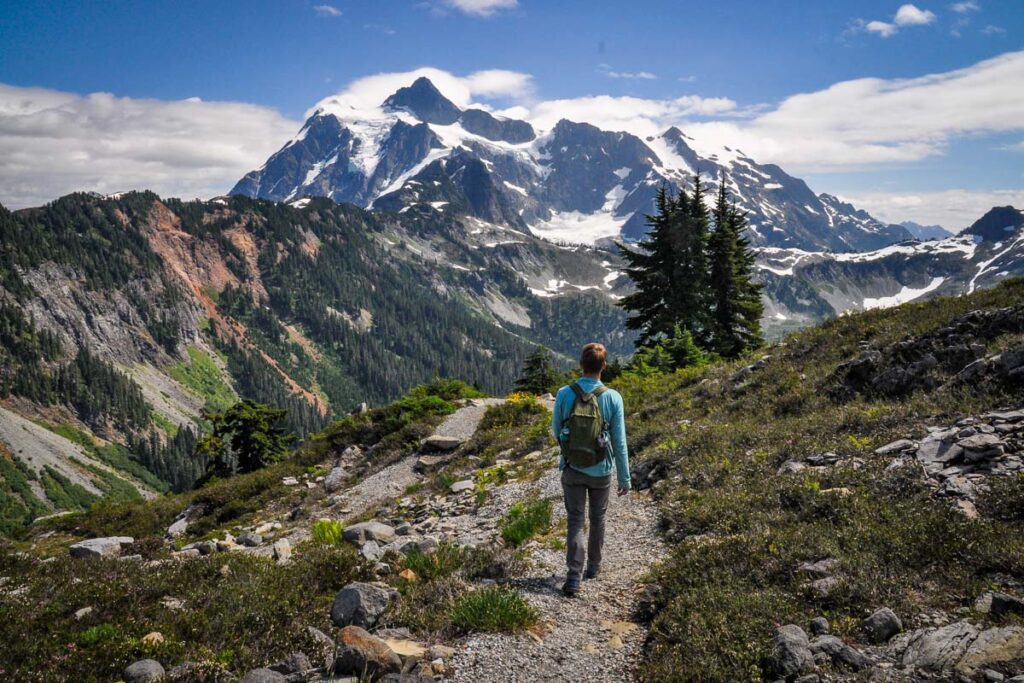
(615, 422)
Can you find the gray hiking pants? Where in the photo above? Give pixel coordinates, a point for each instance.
(580, 488)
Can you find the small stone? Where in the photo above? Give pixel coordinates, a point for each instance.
(143, 671)
(263, 676)
(882, 625)
(441, 652)
(840, 653)
(250, 539)
(335, 480)
(361, 604)
(282, 550)
(82, 613)
(994, 676)
(820, 626)
(894, 447)
(369, 531)
(790, 467)
(790, 652)
(440, 443)
(460, 486)
(153, 638)
(295, 663)
(100, 547)
(408, 574)
(289, 481)
(371, 551)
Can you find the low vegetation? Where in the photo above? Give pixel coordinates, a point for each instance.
(492, 609)
(525, 520)
(328, 532)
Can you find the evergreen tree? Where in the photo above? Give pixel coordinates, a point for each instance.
(245, 438)
(539, 373)
(736, 306)
(649, 266)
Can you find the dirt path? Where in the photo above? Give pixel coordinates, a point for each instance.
(588, 638)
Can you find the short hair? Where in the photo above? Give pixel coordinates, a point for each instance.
(593, 358)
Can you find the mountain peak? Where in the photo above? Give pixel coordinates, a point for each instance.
(424, 101)
(998, 224)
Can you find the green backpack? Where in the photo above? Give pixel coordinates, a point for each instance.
(584, 444)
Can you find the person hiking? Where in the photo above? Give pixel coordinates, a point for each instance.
(589, 423)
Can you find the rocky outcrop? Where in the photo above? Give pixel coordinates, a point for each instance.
(100, 547)
(961, 647)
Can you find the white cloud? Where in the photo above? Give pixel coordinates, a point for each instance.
(626, 75)
(327, 10)
(911, 15)
(53, 143)
(952, 209)
(906, 15)
(873, 120)
(964, 7)
(363, 96)
(992, 30)
(882, 28)
(481, 8)
(636, 115)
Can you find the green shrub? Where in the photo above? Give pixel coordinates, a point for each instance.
(526, 519)
(492, 610)
(1004, 499)
(328, 531)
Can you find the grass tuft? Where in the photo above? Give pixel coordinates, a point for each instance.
(525, 520)
(496, 609)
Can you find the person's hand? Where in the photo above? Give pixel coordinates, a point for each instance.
(622, 491)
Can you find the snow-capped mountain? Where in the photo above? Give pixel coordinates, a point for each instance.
(926, 232)
(573, 183)
(802, 287)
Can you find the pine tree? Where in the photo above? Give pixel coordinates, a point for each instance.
(690, 301)
(245, 438)
(736, 306)
(539, 373)
(648, 266)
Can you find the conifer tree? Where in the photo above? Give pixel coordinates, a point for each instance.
(539, 373)
(736, 306)
(649, 266)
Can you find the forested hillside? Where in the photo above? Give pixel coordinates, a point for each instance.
(124, 319)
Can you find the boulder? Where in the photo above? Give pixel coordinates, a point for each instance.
(882, 625)
(440, 443)
(790, 653)
(361, 604)
(264, 676)
(363, 654)
(935, 649)
(282, 550)
(250, 539)
(820, 626)
(369, 531)
(1003, 604)
(295, 663)
(177, 528)
(460, 486)
(100, 547)
(790, 467)
(143, 671)
(992, 647)
(323, 647)
(840, 653)
(335, 480)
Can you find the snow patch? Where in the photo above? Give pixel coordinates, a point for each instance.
(906, 294)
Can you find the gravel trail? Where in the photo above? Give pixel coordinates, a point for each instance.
(590, 637)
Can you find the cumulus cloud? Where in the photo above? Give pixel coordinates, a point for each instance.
(911, 15)
(53, 143)
(327, 10)
(481, 8)
(906, 15)
(636, 115)
(873, 120)
(992, 30)
(964, 7)
(952, 209)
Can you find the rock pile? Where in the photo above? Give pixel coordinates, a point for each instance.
(957, 459)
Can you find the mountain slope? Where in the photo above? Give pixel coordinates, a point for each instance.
(124, 318)
(802, 287)
(573, 183)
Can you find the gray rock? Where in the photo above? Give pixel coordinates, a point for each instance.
(371, 551)
(263, 676)
(100, 547)
(894, 447)
(361, 604)
(335, 480)
(1003, 604)
(460, 486)
(282, 550)
(365, 655)
(790, 653)
(840, 653)
(938, 448)
(323, 646)
(819, 568)
(882, 625)
(143, 671)
(82, 613)
(369, 531)
(790, 467)
(820, 626)
(250, 539)
(822, 459)
(177, 528)
(938, 648)
(822, 588)
(428, 463)
(295, 663)
(994, 676)
(440, 443)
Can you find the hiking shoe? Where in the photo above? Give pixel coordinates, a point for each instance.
(571, 588)
(591, 573)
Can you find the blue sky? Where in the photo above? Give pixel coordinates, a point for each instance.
(277, 59)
